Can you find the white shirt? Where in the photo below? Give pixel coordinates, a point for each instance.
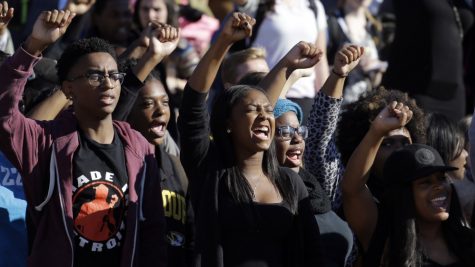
(282, 29)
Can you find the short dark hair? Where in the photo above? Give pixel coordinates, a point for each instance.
(78, 49)
(356, 119)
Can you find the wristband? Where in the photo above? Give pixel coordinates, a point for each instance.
(339, 74)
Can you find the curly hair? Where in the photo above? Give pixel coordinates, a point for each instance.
(78, 49)
(356, 119)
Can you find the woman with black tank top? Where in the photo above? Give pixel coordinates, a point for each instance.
(411, 225)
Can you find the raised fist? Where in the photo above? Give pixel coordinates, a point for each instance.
(50, 26)
(163, 39)
(346, 59)
(302, 56)
(394, 116)
(238, 27)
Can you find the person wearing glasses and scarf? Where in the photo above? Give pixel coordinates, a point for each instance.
(290, 145)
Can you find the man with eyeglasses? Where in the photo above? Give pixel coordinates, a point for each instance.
(91, 183)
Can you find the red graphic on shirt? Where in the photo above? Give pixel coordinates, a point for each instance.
(99, 218)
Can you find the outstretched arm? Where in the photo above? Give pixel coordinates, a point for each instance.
(48, 28)
(162, 41)
(17, 132)
(49, 108)
(345, 61)
(358, 204)
(236, 28)
(194, 119)
(159, 40)
(303, 55)
(322, 158)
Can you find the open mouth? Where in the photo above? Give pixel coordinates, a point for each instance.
(261, 132)
(158, 128)
(294, 154)
(440, 202)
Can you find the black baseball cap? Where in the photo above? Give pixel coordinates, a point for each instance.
(413, 162)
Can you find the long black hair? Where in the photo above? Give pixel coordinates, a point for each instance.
(403, 246)
(235, 181)
(445, 136)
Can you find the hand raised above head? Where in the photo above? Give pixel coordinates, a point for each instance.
(346, 59)
(164, 39)
(238, 27)
(6, 14)
(303, 55)
(394, 116)
(50, 26)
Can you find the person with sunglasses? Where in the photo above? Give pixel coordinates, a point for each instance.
(90, 182)
(290, 146)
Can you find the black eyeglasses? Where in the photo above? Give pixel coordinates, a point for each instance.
(287, 132)
(98, 78)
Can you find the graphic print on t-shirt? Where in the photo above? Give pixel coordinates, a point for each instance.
(174, 207)
(100, 196)
(99, 207)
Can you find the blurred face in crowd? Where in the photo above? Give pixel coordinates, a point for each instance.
(114, 24)
(250, 66)
(151, 112)
(289, 140)
(394, 140)
(91, 98)
(460, 162)
(432, 196)
(252, 123)
(152, 10)
(253, 65)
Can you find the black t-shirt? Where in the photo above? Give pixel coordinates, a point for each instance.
(255, 234)
(174, 188)
(100, 195)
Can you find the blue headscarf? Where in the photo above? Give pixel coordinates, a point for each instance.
(284, 105)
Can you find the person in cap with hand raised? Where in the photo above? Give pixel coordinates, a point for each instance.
(418, 220)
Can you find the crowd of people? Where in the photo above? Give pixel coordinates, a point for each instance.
(274, 133)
